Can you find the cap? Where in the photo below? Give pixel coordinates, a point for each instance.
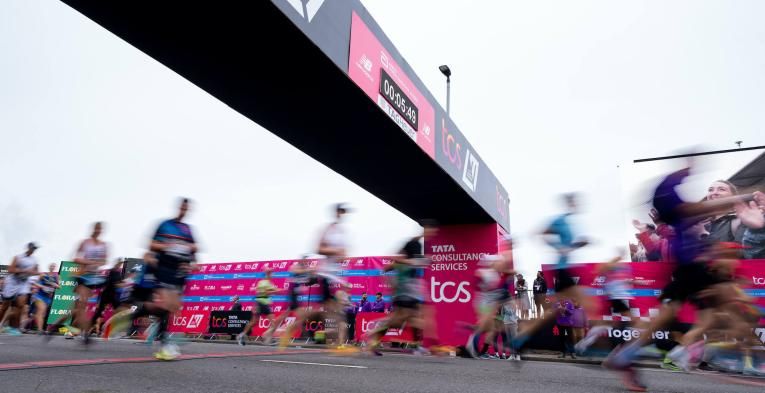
(344, 207)
(32, 245)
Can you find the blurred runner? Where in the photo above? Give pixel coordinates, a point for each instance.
(91, 255)
(408, 288)
(174, 248)
(107, 297)
(46, 287)
(333, 245)
(493, 278)
(264, 289)
(300, 274)
(618, 288)
(560, 236)
(689, 278)
(17, 287)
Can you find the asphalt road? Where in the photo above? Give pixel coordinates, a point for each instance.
(27, 364)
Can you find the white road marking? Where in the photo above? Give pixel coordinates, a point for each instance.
(314, 364)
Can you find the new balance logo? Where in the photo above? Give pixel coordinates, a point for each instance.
(306, 8)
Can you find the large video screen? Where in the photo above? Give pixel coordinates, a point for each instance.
(714, 175)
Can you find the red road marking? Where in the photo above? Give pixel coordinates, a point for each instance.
(89, 362)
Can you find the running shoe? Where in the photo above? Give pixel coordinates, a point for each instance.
(680, 357)
(345, 349)
(68, 335)
(668, 365)
(284, 341)
(166, 353)
(240, 339)
(13, 331)
(421, 351)
(750, 370)
(518, 357)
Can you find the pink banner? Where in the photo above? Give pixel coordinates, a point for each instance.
(373, 69)
(455, 252)
(214, 286)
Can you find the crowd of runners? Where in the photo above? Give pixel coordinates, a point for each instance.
(703, 275)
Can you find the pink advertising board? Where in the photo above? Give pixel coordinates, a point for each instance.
(450, 281)
(376, 72)
(214, 285)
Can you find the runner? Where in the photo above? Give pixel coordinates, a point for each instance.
(493, 278)
(689, 277)
(46, 286)
(17, 288)
(408, 289)
(264, 289)
(560, 236)
(174, 248)
(300, 275)
(333, 245)
(618, 288)
(108, 296)
(91, 255)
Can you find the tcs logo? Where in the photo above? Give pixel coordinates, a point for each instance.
(450, 147)
(449, 292)
(758, 280)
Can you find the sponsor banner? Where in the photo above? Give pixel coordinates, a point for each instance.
(353, 40)
(64, 296)
(228, 322)
(214, 285)
(455, 252)
(368, 321)
(549, 337)
(378, 73)
(461, 161)
(650, 278)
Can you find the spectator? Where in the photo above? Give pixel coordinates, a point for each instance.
(364, 305)
(565, 310)
(578, 322)
(540, 293)
(379, 303)
(655, 239)
(523, 297)
(350, 318)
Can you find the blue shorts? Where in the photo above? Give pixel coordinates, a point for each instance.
(43, 298)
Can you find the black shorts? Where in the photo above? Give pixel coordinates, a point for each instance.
(563, 280)
(294, 304)
(91, 283)
(168, 278)
(263, 309)
(406, 302)
(619, 306)
(325, 292)
(687, 281)
(141, 294)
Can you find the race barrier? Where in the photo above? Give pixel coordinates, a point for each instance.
(213, 287)
(650, 278)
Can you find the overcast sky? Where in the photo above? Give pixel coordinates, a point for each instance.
(554, 95)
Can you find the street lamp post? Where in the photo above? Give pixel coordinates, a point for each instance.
(447, 72)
